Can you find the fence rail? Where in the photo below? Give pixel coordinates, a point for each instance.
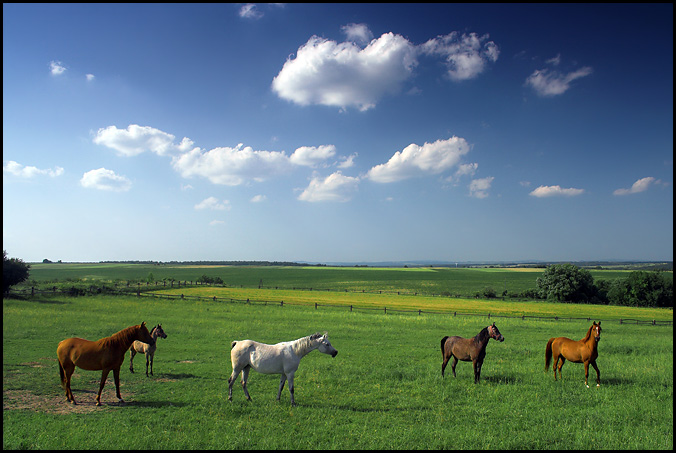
(116, 291)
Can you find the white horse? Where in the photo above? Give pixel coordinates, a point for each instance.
(281, 358)
(145, 348)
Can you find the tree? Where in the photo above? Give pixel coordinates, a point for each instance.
(643, 289)
(566, 283)
(14, 271)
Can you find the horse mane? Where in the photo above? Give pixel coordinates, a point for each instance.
(302, 345)
(586, 337)
(124, 336)
(481, 335)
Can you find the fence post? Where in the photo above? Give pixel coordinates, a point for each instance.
(32, 291)
(315, 305)
(385, 310)
(281, 304)
(419, 311)
(350, 307)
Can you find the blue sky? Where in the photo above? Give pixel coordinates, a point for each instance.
(338, 133)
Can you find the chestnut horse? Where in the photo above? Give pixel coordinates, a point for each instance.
(582, 351)
(145, 348)
(468, 349)
(105, 354)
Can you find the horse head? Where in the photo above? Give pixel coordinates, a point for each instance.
(495, 333)
(325, 345)
(160, 332)
(144, 335)
(596, 331)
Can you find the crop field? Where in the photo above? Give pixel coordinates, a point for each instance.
(383, 390)
(458, 282)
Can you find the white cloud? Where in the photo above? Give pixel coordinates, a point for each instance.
(335, 187)
(90, 77)
(213, 204)
(137, 139)
(549, 83)
(216, 223)
(415, 160)
(56, 68)
(466, 55)
(639, 186)
(344, 75)
(231, 166)
(555, 191)
(311, 156)
(478, 188)
(29, 171)
(348, 161)
(104, 179)
(358, 33)
(258, 199)
(250, 11)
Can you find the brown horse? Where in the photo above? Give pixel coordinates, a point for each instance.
(105, 354)
(468, 349)
(145, 348)
(582, 351)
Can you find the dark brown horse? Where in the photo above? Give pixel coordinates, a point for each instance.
(105, 354)
(468, 349)
(581, 351)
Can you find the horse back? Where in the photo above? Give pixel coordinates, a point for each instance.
(571, 350)
(461, 348)
(88, 355)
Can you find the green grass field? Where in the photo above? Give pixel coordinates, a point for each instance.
(382, 391)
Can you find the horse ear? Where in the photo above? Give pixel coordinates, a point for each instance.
(143, 323)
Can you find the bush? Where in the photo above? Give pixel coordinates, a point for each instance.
(14, 271)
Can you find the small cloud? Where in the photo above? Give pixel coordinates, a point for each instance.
(348, 161)
(524, 183)
(555, 191)
(639, 186)
(213, 204)
(548, 83)
(478, 188)
(186, 187)
(311, 156)
(466, 55)
(259, 199)
(250, 11)
(90, 77)
(335, 187)
(358, 33)
(137, 139)
(216, 223)
(554, 61)
(104, 179)
(28, 171)
(56, 68)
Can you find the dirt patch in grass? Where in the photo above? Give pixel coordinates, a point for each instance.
(52, 404)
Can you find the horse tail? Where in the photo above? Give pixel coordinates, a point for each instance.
(443, 341)
(63, 377)
(548, 354)
(232, 345)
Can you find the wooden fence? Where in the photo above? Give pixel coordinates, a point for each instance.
(116, 291)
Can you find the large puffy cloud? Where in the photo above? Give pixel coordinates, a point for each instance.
(466, 55)
(231, 166)
(104, 179)
(138, 139)
(555, 191)
(335, 187)
(548, 83)
(343, 74)
(29, 171)
(639, 186)
(416, 160)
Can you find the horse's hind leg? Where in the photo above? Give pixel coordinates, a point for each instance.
(245, 379)
(232, 379)
(282, 380)
(453, 364)
(116, 375)
(563, 360)
(147, 363)
(68, 372)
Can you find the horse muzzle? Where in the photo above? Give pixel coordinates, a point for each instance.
(334, 353)
(500, 338)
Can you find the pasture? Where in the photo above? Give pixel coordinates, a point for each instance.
(383, 390)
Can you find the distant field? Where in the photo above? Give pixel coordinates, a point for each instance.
(447, 281)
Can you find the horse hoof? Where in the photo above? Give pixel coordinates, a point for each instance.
(587, 386)
(98, 403)
(598, 385)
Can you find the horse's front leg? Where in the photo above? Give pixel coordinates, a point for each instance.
(132, 353)
(598, 374)
(152, 360)
(104, 376)
(477, 367)
(147, 362)
(116, 375)
(282, 380)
